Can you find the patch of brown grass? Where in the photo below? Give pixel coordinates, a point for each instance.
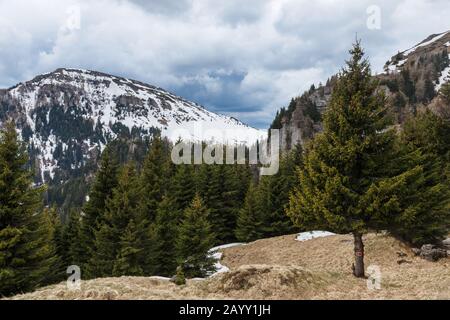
(283, 268)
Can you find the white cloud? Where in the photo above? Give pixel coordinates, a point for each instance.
(244, 59)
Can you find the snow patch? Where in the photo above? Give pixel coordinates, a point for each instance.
(214, 252)
(305, 236)
(160, 278)
(445, 77)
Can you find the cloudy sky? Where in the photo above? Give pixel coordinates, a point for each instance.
(242, 58)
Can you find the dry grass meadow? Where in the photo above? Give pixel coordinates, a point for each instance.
(283, 268)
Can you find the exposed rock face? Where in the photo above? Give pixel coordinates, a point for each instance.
(302, 122)
(431, 252)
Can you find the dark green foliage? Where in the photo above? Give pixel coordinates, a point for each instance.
(222, 189)
(154, 178)
(355, 179)
(165, 234)
(95, 209)
(180, 279)
(250, 221)
(408, 86)
(194, 241)
(121, 208)
(277, 189)
(73, 239)
(182, 189)
(26, 248)
(128, 260)
(345, 165)
(425, 144)
(429, 92)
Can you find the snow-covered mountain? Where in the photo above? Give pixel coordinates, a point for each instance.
(429, 56)
(69, 115)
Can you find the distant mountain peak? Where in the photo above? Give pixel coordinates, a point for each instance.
(83, 110)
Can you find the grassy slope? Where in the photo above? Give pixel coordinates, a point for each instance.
(282, 268)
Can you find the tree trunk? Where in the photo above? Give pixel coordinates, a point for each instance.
(358, 268)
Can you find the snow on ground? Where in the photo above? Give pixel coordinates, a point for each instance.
(305, 236)
(214, 252)
(160, 278)
(445, 77)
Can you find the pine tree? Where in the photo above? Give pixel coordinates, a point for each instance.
(73, 237)
(128, 261)
(209, 188)
(231, 203)
(425, 143)
(250, 221)
(274, 193)
(52, 269)
(94, 210)
(154, 177)
(195, 239)
(344, 173)
(121, 208)
(182, 189)
(165, 235)
(220, 188)
(23, 254)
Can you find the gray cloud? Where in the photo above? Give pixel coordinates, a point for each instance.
(168, 7)
(246, 59)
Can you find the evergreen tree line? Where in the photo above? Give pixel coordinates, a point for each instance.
(144, 219)
(152, 220)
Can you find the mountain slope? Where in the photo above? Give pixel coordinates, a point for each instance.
(412, 80)
(69, 115)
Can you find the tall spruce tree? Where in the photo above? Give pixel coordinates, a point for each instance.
(128, 261)
(250, 223)
(73, 238)
(220, 188)
(182, 189)
(344, 175)
(52, 269)
(154, 177)
(194, 241)
(24, 254)
(273, 192)
(165, 234)
(121, 208)
(425, 143)
(95, 208)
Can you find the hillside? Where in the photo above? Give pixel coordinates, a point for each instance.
(283, 268)
(79, 111)
(411, 80)
(68, 116)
